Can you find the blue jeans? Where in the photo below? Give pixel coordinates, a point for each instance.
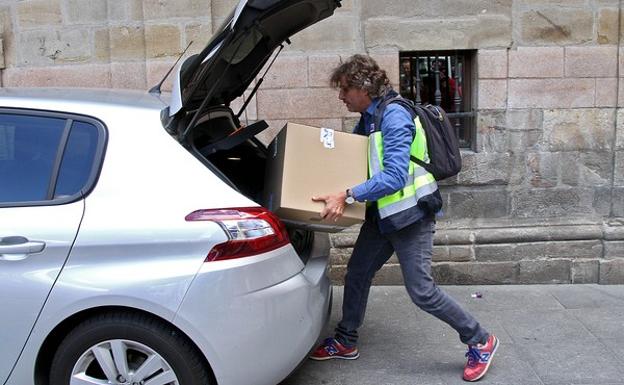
(413, 246)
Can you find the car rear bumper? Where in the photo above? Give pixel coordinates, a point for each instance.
(259, 336)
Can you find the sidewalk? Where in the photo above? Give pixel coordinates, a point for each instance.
(549, 334)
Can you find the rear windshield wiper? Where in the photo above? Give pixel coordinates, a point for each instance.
(156, 89)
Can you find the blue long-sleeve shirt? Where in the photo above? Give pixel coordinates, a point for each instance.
(397, 128)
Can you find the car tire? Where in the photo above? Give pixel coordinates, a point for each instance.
(129, 347)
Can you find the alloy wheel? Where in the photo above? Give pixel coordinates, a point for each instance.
(122, 362)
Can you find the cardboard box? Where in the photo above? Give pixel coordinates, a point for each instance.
(308, 161)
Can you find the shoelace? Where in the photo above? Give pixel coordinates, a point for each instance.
(473, 355)
(330, 346)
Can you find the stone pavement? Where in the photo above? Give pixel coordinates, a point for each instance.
(550, 334)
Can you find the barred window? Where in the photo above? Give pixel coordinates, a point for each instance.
(443, 78)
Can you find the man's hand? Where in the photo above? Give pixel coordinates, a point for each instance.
(334, 205)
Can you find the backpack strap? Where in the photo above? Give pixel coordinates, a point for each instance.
(391, 97)
(412, 109)
(420, 112)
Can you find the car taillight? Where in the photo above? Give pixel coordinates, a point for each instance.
(251, 231)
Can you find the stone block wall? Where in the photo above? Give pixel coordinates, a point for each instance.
(541, 195)
(104, 43)
(517, 251)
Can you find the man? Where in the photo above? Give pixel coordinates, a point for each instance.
(403, 199)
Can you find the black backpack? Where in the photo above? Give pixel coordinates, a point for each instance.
(442, 143)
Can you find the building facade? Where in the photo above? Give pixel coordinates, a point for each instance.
(535, 86)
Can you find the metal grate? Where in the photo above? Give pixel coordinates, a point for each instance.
(442, 78)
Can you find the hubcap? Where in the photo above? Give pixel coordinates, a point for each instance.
(122, 362)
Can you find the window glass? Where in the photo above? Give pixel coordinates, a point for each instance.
(77, 160)
(28, 149)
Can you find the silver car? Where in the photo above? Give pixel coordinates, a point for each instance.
(132, 247)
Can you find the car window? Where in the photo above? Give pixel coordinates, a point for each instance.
(28, 150)
(77, 159)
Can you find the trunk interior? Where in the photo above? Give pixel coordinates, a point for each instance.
(241, 162)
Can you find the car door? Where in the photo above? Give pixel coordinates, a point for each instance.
(46, 167)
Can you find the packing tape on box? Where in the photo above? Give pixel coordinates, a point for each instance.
(327, 137)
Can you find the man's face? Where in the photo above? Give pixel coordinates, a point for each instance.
(356, 99)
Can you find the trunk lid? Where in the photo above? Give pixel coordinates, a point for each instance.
(239, 49)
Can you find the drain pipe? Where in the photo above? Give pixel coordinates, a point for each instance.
(606, 226)
(617, 104)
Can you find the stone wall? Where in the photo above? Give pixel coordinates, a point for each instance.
(541, 196)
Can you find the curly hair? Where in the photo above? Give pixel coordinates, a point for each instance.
(361, 71)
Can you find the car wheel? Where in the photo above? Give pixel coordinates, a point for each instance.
(127, 349)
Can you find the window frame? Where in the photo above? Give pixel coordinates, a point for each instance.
(98, 157)
(468, 110)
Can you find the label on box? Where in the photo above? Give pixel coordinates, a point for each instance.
(327, 137)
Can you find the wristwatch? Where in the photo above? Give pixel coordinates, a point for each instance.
(349, 199)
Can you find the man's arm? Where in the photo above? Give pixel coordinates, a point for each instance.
(398, 130)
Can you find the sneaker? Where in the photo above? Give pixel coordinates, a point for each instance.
(330, 348)
(479, 359)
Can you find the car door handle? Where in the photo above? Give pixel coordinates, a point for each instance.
(16, 247)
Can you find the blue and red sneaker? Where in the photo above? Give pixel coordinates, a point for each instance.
(331, 348)
(479, 359)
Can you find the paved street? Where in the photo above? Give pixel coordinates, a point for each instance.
(550, 334)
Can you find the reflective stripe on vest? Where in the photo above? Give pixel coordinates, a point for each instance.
(419, 182)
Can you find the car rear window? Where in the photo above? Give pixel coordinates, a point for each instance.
(46, 157)
(77, 159)
(28, 149)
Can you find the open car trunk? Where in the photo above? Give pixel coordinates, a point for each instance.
(240, 160)
(206, 83)
(235, 153)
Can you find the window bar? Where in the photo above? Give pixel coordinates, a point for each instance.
(410, 78)
(418, 81)
(428, 86)
(436, 71)
(459, 86)
(457, 99)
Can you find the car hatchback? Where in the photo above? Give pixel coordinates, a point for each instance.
(132, 249)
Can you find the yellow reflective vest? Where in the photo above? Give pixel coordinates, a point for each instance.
(420, 183)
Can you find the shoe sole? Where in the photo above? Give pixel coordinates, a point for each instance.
(354, 357)
(487, 366)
